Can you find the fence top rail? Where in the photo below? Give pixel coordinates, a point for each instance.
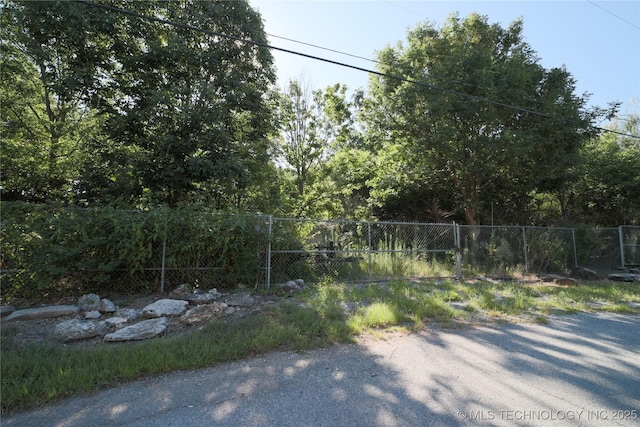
(356, 221)
(535, 227)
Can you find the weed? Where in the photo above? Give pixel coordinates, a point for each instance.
(541, 320)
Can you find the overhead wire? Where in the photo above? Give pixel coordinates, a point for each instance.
(613, 14)
(342, 64)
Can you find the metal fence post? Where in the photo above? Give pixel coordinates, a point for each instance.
(269, 252)
(369, 250)
(162, 268)
(621, 239)
(526, 256)
(575, 248)
(456, 236)
(164, 257)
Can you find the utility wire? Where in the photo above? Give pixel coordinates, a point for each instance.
(611, 13)
(373, 61)
(321, 47)
(342, 64)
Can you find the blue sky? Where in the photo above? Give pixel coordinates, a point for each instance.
(597, 41)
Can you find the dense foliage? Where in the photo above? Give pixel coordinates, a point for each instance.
(49, 251)
(116, 107)
(102, 108)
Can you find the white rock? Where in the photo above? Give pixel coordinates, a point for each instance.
(76, 329)
(242, 299)
(94, 314)
(89, 302)
(203, 312)
(42, 313)
(106, 306)
(129, 313)
(139, 331)
(165, 307)
(116, 321)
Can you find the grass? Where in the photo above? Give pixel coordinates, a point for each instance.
(324, 314)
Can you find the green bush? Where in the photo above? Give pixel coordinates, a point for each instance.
(51, 251)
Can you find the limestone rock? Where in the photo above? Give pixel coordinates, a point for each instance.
(128, 313)
(203, 312)
(6, 310)
(106, 306)
(292, 286)
(42, 313)
(181, 290)
(139, 331)
(93, 314)
(76, 329)
(115, 322)
(241, 299)
(197, 299)
(89, 302)
(165, 307)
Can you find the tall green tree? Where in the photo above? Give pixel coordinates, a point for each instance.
(608, 184)
(305, 130)
(192, 104)
(182, 112)
(317, 134)
(452, 139)
(48, 62)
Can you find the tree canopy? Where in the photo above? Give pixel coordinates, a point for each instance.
(112, 104)
(182, 110)
(450, 121)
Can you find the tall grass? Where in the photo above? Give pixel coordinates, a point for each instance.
(399, 266)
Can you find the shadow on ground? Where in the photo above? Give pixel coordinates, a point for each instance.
(577, 370)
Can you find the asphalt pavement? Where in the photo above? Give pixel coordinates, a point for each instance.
(578, 370)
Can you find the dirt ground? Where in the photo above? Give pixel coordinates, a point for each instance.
(23, 332)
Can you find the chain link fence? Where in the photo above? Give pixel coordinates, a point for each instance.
(45, 250)
(53, 251)
(629, 238)
(533, 250)
(358, 250)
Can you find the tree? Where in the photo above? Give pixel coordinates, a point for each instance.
(305, 130)
(44, 74)
(192, 104)
(453, 129)
(606, 192)
(182, 112)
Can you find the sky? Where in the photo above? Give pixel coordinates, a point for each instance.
(597, 41)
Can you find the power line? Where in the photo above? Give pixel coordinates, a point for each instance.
(322, 48)
(342, 64)
(611, 13)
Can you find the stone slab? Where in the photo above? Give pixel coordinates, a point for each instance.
(42, 313)
(139, 331)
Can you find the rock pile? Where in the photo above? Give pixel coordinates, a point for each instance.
(98, 317)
